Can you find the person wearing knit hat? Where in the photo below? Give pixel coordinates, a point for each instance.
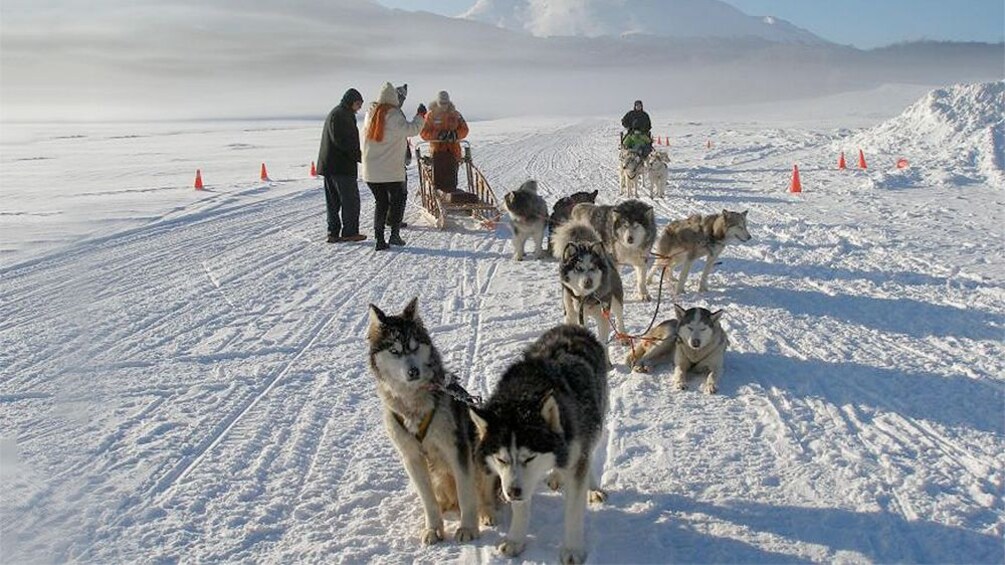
(386, 133)
(444, 127)
(337, 165)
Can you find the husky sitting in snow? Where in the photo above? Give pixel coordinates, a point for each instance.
(528, 215)
(431, 429)
(695, 342)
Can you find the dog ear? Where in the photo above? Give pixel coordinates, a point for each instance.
(593, 195)
(725, 212)
(598, 249)
(570, 250)
(680, 311)
(411, 312)
(481, 424)
(716, 315)
(509, 198)
(377, 318)
(551, 414)
(744, 213)
(651, 215)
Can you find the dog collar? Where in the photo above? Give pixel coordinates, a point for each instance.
(423, 425)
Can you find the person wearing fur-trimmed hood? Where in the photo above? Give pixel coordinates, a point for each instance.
(444, 127)
(386, 138)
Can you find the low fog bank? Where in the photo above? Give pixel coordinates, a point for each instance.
(144, 61)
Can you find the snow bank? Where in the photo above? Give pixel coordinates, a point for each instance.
(953, 135)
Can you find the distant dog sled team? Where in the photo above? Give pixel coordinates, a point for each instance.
(546, 415)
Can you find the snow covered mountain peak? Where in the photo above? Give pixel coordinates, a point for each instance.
(666, 18)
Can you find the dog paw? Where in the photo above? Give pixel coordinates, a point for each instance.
(641, 369)
(709, 388)
(518, 257)
(464, 535)
(645, 298)
(572, 556)
(680, 385)
(597, 496)
(510, 548)
(430, 536)
(554, 481)
(488, 519)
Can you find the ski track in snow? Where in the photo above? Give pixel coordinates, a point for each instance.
(197, 389)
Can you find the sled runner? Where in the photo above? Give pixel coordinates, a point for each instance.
(478, 200)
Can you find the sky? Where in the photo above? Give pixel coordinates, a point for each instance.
(862, 23)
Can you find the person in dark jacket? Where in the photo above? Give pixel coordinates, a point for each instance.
(338, 164)
(637, 119)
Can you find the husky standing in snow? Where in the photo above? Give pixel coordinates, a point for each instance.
(657, 164)
(431, 429)
(684, 241)
(546, 414)
(590, 281)
(528, 214)
(628, 231)
(631, 173)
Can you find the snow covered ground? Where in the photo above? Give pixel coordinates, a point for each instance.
(183, 377)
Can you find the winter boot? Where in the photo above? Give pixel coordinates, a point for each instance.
(395, 238)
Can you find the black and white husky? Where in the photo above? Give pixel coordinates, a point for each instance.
(628, 231)
(528, 214)
(546, 414)
(590, 281)
(431, 429)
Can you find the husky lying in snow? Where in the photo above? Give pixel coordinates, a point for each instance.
(590, 280)
(684, 241)
(528, 214)
(695, 341)
(562, 210)
(656, 169)
(628, 231)
(546, 414)
(432, 430)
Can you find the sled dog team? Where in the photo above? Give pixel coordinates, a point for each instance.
(544, 418)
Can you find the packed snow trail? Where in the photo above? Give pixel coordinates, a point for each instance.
(197, 389)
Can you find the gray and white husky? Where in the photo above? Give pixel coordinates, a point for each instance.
(695, 342)
(630, 172)
(684, 241)
(628, 231)
(590, 281)
(431, 429)
(546, 414)
(657, 170)
(528, 215)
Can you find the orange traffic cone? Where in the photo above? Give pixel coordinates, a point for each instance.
(796, 185)
(658, 140)
(902, 163)
(841, 163)
(314, 171)
(861, 160)
(198, 179)
(666, 141)
(265, 174)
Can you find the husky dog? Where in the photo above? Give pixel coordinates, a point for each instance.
(628, 231)
(683, 241)
(590, 281)
(631, 169)
(528, 215)
(700, 346)
(656, 168)
(547, 413)
(655, 347)
(563, 209)
(431, 429)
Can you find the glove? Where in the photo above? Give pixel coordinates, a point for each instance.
(421, 110)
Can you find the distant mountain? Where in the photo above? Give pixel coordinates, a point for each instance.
(664, 18)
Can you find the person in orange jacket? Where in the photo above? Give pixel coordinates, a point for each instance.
(444, 127)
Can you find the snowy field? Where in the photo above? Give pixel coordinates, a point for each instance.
(183, 376)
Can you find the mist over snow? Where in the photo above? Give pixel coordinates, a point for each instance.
(953, 135)
(668, 18)
(150, 59)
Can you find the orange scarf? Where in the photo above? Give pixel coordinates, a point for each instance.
(376, 130)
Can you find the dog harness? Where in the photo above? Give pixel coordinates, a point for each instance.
(423, 425)
(604, 306)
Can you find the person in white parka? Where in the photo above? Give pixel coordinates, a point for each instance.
(385, 141)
